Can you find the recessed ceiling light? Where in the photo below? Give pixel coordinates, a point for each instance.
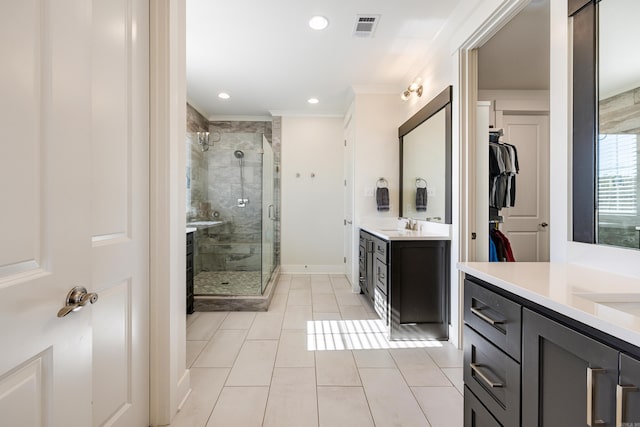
(313, 101)
(318, 22)
(224, 95)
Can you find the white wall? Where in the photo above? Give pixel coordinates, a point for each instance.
(372, 128)
(312, 208)
(376, 118)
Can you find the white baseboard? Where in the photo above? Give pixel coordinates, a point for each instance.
(184, 388)
(312, 269)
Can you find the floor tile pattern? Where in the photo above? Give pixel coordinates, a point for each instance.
(265, 369)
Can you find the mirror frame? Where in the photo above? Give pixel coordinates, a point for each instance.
(585, 118)
(441, 101)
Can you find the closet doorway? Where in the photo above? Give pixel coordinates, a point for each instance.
(513, 85)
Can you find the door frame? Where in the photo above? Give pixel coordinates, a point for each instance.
(464, 122)
(169, 380)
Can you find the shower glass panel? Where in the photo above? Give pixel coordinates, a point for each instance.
(230, 194)
(268, 212)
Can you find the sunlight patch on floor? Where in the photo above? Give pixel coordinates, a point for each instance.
(355, 335)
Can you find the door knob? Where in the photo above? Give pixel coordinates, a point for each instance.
(544, 225)
(77, 298)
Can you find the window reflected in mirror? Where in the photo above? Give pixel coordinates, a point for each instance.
(618, 184)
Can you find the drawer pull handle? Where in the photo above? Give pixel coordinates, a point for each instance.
(590, 395)
(621, 390)
(484, 317)
(476, 368)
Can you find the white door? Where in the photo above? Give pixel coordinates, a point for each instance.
(119, 220)
(73, 182)
(526, 224)
(348, 208)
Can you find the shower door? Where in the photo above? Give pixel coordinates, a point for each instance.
(268, 213)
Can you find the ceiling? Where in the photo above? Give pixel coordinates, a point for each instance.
(265, 56)
(517, 56)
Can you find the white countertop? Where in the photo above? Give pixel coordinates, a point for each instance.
(600, 299)
(395, 230)
(191, 229)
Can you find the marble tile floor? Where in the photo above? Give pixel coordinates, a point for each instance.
(268, 369)
(227, 283)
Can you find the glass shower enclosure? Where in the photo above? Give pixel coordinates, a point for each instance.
(230, 200)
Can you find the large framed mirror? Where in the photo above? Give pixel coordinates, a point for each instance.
(425, 161)
(606, 122)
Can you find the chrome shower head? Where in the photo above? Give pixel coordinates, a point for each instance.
(239, 154)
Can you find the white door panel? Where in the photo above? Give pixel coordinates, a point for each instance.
(119, 214)
(522, 223)
(45, 365)
(74, 185)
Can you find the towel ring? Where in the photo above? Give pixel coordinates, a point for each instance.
(421, 181)
(382, 181)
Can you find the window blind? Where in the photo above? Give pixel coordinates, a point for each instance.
(617, 174)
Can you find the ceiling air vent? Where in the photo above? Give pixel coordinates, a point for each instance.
(366, 25)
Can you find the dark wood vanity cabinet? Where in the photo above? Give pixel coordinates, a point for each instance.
(190, 245)
(407, 283)
(566, 373)
(419, 288)
(492, 356)
(373, 273)
(628, 391)
(568, 378)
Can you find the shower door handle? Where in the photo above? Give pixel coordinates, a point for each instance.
(270, 213)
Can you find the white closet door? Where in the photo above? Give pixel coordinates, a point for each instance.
(526, 224)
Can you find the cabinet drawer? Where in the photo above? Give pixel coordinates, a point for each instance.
(494, 316)
(380, 249)
(475, 414)
(380, 273)
(493, 377)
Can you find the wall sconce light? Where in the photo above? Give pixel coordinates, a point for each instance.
(415, 87)
(203, 141)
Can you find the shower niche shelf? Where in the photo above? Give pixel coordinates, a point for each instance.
(204, 224)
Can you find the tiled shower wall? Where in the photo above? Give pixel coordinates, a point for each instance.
(197, 168)
(234, 245)
(276, 143)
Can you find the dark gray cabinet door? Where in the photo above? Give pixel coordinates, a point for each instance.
(419, 289)
(475, 414)
(628, 392)
(556, 365)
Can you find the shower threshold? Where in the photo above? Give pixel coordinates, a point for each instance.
(232, 291)
(228, 283)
